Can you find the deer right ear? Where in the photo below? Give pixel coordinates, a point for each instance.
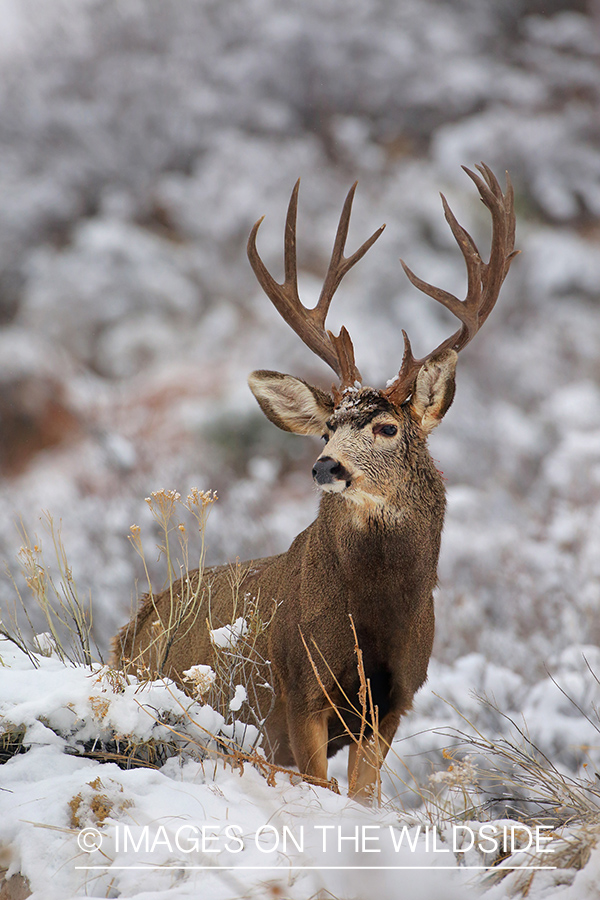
(291, 403)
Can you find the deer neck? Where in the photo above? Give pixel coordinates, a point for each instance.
(404, 523)
(390, 565)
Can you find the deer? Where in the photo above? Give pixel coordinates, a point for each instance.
(360, 579)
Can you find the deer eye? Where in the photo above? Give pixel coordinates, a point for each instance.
(387, 430)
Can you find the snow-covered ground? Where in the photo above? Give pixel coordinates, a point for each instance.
(139, 142)
(77, 823)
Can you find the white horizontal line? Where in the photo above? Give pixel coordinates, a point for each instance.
(150, 867)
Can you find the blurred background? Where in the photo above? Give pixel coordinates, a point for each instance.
(139, 142)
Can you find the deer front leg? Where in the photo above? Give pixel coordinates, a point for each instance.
(364, 760)
(308, 740)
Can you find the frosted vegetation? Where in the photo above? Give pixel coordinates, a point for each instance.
(139, 143)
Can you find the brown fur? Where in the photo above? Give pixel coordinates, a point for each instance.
(371, 555)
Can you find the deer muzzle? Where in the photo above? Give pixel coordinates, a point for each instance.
(330, 474)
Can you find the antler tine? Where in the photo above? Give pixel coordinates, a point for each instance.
(503, 233)
(484, 280)
(339, 264)
(284, 297)
(309, 324)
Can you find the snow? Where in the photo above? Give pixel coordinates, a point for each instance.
(239, 697)
(85, 704)
(202, 677)
(196, 811)
(76, 826)
(228, 636)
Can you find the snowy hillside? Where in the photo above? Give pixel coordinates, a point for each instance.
(139, 142)
(147, 817)
(113, 788)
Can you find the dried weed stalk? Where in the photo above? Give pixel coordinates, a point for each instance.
(67, 614)
(368, 714)
(187, 590)
(240, 661)
(514, 777)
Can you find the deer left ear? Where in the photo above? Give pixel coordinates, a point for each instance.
(434, 390)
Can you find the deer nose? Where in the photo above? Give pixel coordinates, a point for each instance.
(327, 470)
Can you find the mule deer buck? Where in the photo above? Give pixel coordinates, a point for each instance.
(363, 573)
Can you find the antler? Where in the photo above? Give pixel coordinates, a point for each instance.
(309, 324)
(484, 280)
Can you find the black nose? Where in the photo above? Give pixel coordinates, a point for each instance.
(326, 470)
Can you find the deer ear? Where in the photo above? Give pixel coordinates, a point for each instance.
(291, 403)
(434, 390)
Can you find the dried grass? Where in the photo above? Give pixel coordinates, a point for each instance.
(188, 592)
(67, 614)
(368, 715)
